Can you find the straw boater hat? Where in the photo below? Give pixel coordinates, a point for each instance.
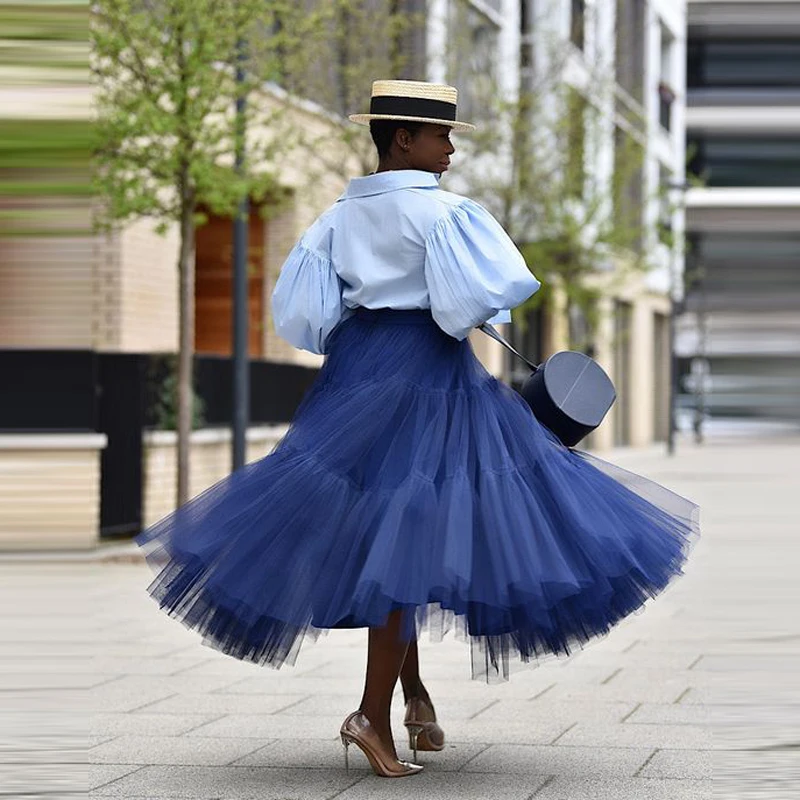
(415, 101)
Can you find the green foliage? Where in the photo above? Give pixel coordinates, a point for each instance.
(352, 44)
(166, 86)
(168, 74)
(48, 143)
(44, 21)
(44, 35)
(163, 389)
(44, 163)
(569, 221)
(44, 158)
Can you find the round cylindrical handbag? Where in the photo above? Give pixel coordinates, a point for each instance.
(569, 393)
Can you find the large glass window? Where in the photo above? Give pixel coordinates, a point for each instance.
(473, 43)
(666, 94)
(530, 343)
(630, 35)
(576, 144)
(745, 161)
(621, 411)
(577, 28)
(743, 63)
(628, 191)
(753, 268)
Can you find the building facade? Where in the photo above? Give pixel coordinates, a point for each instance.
(626, 62)
(96, 317)
(740, 335)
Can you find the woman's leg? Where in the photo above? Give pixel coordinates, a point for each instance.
(409, 677)
(385, 656)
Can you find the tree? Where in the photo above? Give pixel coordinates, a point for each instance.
(44, 190)
(538, 166)
(355, 42)
(166, 131)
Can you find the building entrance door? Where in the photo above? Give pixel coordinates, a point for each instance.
(214, 286)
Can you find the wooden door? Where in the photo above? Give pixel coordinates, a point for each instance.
(214, 286)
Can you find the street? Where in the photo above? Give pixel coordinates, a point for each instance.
(701, 681)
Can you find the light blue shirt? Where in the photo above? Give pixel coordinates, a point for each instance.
(396, 240)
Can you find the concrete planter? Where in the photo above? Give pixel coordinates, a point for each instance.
(50, 491)
(210, 461)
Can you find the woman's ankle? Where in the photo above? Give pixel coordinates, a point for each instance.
(416, 691)
(381, 723)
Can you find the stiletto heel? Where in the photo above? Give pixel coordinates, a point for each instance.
(346, 745)
(356, 729)
(413, 736)
(423, 731)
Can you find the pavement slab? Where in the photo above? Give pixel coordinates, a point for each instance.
(571, 762)
(701, 683)
(231, 783)
(630, 789)
(177, 750)
(433, 785)
(315, 754)
(681, 764)
(147, 724)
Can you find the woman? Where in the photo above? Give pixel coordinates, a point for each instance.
(412, 487)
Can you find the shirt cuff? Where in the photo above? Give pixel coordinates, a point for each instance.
(500, 318)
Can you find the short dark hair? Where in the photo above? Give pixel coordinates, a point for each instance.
(383, 131)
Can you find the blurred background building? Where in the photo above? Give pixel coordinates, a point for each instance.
(740, 336)
(625, 61)
(88, 324)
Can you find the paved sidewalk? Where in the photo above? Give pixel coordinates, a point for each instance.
(629, 718)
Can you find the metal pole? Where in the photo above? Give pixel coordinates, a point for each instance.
(241, 382)
(673, 314)
(673, 378)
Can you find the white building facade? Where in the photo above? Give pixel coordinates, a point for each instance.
(627, 59)
(110, 466)
(742, 322)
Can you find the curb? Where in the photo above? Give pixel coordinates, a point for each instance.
(125, 553)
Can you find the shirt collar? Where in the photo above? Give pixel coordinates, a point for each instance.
(390, 181)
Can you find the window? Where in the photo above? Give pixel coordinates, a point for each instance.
(473, 43)
(577, 26)
(530, 343)
(743, 63)
(744, 271)
(631, 16)
(352, 44)
(665, 209)
(661, 375)
(628, 189)
(623, 313)
(745, 161)
(666, 95)
(526, 50)
(575, 178)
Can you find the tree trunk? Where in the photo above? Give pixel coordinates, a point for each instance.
(186, 269)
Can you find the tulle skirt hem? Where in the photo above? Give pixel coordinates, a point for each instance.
(413, 481)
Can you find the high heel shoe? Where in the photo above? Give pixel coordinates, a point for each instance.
(423, 732)
(357, 730)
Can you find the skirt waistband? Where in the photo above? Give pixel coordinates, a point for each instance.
(395, 316)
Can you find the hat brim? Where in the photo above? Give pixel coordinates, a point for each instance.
(460, 127)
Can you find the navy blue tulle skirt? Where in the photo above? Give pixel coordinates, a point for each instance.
(410, 478)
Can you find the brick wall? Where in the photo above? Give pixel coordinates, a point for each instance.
(210, 458)
(49, 491)
(148, 301)
(47, 292)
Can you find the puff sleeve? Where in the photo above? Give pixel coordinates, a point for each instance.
(473, 270)
(307, 299)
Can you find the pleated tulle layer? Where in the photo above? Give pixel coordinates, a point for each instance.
(412, 479)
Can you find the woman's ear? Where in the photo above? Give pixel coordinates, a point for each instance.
(403, 139)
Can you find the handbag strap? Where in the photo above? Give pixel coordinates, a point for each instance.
(491, 332)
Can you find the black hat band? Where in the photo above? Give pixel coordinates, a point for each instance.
(388, 105)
